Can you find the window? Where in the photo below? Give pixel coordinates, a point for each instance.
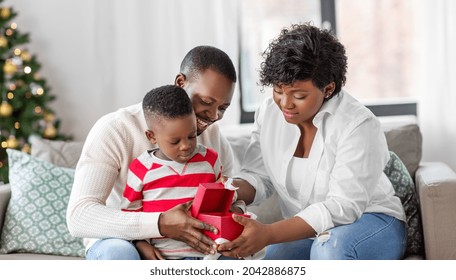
(379, 38)
(378, 35)
(261, 21)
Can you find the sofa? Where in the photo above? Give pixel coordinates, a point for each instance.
(434, 184)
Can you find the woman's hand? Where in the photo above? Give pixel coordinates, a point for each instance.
(147, 251)
(254, 237)
(178, 224)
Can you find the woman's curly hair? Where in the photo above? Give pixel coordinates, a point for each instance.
(304, 52)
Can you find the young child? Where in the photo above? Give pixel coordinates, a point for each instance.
(168, 175)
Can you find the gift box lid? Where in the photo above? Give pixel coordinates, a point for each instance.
(212, 198)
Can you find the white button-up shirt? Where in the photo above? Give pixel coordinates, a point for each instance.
(344, 176)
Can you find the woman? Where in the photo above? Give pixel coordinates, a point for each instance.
(323, 153)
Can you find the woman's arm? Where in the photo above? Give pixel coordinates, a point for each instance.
(256, 235)
(245, 190)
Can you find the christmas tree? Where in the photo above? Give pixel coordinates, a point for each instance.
(24, 95)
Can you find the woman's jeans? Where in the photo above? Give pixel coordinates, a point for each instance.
(374, 236)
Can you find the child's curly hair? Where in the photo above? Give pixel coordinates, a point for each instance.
(169, 102)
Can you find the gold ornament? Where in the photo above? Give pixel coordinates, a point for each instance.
(25, 55)
(49, 117)
(12, 142)
(26, 148)
(6, 109)
(3, 42)
(5, 12)
(9, 68)
(50, 131)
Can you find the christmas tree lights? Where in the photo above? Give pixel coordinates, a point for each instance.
(24, 95)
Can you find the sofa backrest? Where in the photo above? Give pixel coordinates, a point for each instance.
(402, 134)
(404, 138)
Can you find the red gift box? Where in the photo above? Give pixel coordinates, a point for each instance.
(212, 205)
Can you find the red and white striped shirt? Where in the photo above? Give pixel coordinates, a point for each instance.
(156, 185)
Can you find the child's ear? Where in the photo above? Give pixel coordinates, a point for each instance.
(151, 136)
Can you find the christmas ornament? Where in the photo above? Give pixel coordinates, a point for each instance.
(3, 42)
(50, 131)
(49, 117)
(6, 109)
(5, 12)
(9, 68)
(16, 60)
(25, 55)
(12, 142)
(9, 32)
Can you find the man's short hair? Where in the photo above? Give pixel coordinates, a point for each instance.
(202, 58)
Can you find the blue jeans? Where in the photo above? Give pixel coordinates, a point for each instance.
(119, 249)
(112, 249)
(374, 236)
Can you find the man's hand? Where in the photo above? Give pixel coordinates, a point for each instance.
(178, 224)
(147, 251)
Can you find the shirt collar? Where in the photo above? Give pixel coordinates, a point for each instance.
(328, 108)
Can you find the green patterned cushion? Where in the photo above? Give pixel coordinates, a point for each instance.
(405, 190)
(35, 220)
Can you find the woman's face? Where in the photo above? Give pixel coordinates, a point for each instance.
(211, 94)
(300, 101)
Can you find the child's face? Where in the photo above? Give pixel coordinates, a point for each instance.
(176, 138)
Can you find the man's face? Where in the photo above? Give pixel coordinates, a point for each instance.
(211, 94)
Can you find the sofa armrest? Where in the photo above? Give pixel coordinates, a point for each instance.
(436, 188)
(5, 195)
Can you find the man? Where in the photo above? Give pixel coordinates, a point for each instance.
(208, 76)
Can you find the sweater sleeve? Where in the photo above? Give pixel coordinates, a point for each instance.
(213, 138)
(98, 169)
(132, 198)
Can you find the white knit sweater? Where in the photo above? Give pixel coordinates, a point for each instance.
(101, 174)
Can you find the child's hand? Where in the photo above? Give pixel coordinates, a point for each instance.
(222, 179)
(147, 251)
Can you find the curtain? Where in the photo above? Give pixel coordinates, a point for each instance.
(436, 29)
(98, 56)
